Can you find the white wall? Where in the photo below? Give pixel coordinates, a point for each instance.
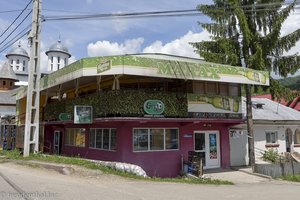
(238, 145)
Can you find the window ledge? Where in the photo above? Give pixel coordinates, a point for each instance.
(296, 145)
(271, 145)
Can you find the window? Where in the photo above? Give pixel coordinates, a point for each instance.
(103, 138)
(58, 62)
(18, 61)
(156, 139)
(297, 136)
(4, 82)
(271, 137)
(75, 137)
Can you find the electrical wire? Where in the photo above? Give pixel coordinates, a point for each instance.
(168, 13)
(9, 45)
(16, 18)
(16, 27)
(12, 41)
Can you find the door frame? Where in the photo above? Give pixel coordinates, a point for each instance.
(207, 160)
(59, 145)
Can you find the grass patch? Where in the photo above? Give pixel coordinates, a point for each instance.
(293, 178)
(16, 155)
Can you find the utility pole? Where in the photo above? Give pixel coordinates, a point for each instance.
(31, 135)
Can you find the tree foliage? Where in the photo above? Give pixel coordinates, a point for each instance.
(248, 32)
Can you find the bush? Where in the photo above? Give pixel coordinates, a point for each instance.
(271, 155)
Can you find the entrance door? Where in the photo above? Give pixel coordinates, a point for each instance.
(207, 143)
(57, 142)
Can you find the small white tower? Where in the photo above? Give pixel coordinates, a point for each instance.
(58, 56)
(18, 59)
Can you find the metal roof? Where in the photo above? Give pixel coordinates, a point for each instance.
(7, 97)
(58, 47)
(19, 51)
(6, 72)
(271, 111)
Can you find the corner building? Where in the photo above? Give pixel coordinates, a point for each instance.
(146, 109)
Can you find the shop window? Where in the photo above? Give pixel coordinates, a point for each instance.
(103, 138)
(297, 137)
(75, 137)
(271, 137)
(157, 139)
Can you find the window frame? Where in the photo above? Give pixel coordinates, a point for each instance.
(67, 137)
(149, 140)
(295, 137)
(270, 132)
(102, 136)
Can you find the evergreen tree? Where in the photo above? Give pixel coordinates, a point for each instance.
(247, 33)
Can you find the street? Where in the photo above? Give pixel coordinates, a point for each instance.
(24, 182)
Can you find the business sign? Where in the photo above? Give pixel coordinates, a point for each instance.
(64, 116)
(154, 107)
(83, 114)
(103, 66)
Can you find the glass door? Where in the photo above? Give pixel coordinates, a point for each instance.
(207, 146)
(213, 149)
(57, 142)
(200, 147)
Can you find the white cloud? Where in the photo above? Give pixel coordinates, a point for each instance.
(180, 47)
(103, 48)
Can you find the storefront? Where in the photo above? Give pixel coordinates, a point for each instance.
(150, 110)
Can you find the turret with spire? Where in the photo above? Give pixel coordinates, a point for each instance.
(58, 56)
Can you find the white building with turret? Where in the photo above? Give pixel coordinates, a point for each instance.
(19, 60)
(58, 56)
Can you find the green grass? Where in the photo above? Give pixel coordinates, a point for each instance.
(294, 178)
(16, 155)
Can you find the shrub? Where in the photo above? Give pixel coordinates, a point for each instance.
(271, 155)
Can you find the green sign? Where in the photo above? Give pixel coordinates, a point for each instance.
(154, 107)
(64, 116)
(104, 65)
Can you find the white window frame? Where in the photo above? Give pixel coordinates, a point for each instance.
(109, 140)
(149, 147)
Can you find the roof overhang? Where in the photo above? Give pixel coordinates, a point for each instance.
(161, 66)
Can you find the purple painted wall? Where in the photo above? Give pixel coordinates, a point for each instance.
(159, 163)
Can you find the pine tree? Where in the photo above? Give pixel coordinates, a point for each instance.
(247, 33)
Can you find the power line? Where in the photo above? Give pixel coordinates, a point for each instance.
(13, 40)
(16, 27)
(16, 18)
(168, 13)
(4, 48)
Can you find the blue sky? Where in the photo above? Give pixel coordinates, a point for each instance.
(86, 38)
